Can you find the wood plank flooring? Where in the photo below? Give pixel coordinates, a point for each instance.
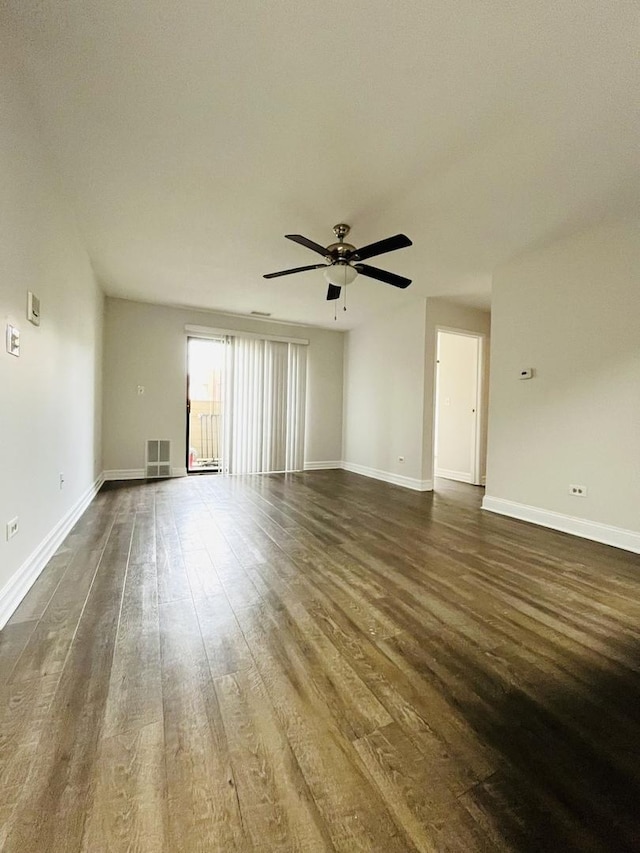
(320, 662)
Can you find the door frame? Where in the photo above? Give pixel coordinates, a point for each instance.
(477, 478)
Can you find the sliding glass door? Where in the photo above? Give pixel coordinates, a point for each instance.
(205, 364)
(245, 404)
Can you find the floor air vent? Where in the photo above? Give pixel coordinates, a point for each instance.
(158, 458)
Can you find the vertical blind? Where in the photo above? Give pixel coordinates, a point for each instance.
(264, 405)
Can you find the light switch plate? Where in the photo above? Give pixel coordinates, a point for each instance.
(33, 308)
(13, 340)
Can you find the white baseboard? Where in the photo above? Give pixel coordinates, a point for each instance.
(124, 474)
(460, 476)
(388, 477)
(628, 540)
(322, 466)
(23, 579)
(137, 473)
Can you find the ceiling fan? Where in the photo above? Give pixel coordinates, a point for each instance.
(343, 261)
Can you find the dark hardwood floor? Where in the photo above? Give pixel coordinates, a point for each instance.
(320, 662)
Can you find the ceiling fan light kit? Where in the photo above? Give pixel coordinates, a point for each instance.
(340, 274)
(343, 261)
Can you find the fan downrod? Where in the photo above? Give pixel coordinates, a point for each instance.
(337, 253)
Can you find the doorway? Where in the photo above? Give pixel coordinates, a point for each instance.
(205, 360)
(458, 395)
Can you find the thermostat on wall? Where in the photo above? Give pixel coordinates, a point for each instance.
(525, 373)
(33, 308)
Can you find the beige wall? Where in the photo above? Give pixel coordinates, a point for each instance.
(572, 312)
(448, 315)
(146, 345)
(389, 388)
(50, 413)
(383, 399)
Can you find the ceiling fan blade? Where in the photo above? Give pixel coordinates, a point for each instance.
(309, 244)
(333, 292)
(400, 241)
(383, 275)
(297, 269)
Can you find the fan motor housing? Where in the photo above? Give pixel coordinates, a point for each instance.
(339, 251)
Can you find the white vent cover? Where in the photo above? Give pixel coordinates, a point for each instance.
(158, 462)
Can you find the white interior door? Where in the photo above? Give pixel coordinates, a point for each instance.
(457, 381)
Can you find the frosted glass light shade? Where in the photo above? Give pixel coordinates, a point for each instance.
(340, 274)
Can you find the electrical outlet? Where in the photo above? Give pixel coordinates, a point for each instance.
(12, 528)
(578, 491)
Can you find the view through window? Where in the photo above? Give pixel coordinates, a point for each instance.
(204, 404)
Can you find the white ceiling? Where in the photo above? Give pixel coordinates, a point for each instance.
(193, 135)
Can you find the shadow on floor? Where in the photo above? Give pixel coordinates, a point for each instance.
(571, 775)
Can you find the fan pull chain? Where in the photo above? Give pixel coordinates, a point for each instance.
(335, 310)
(345, 298)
